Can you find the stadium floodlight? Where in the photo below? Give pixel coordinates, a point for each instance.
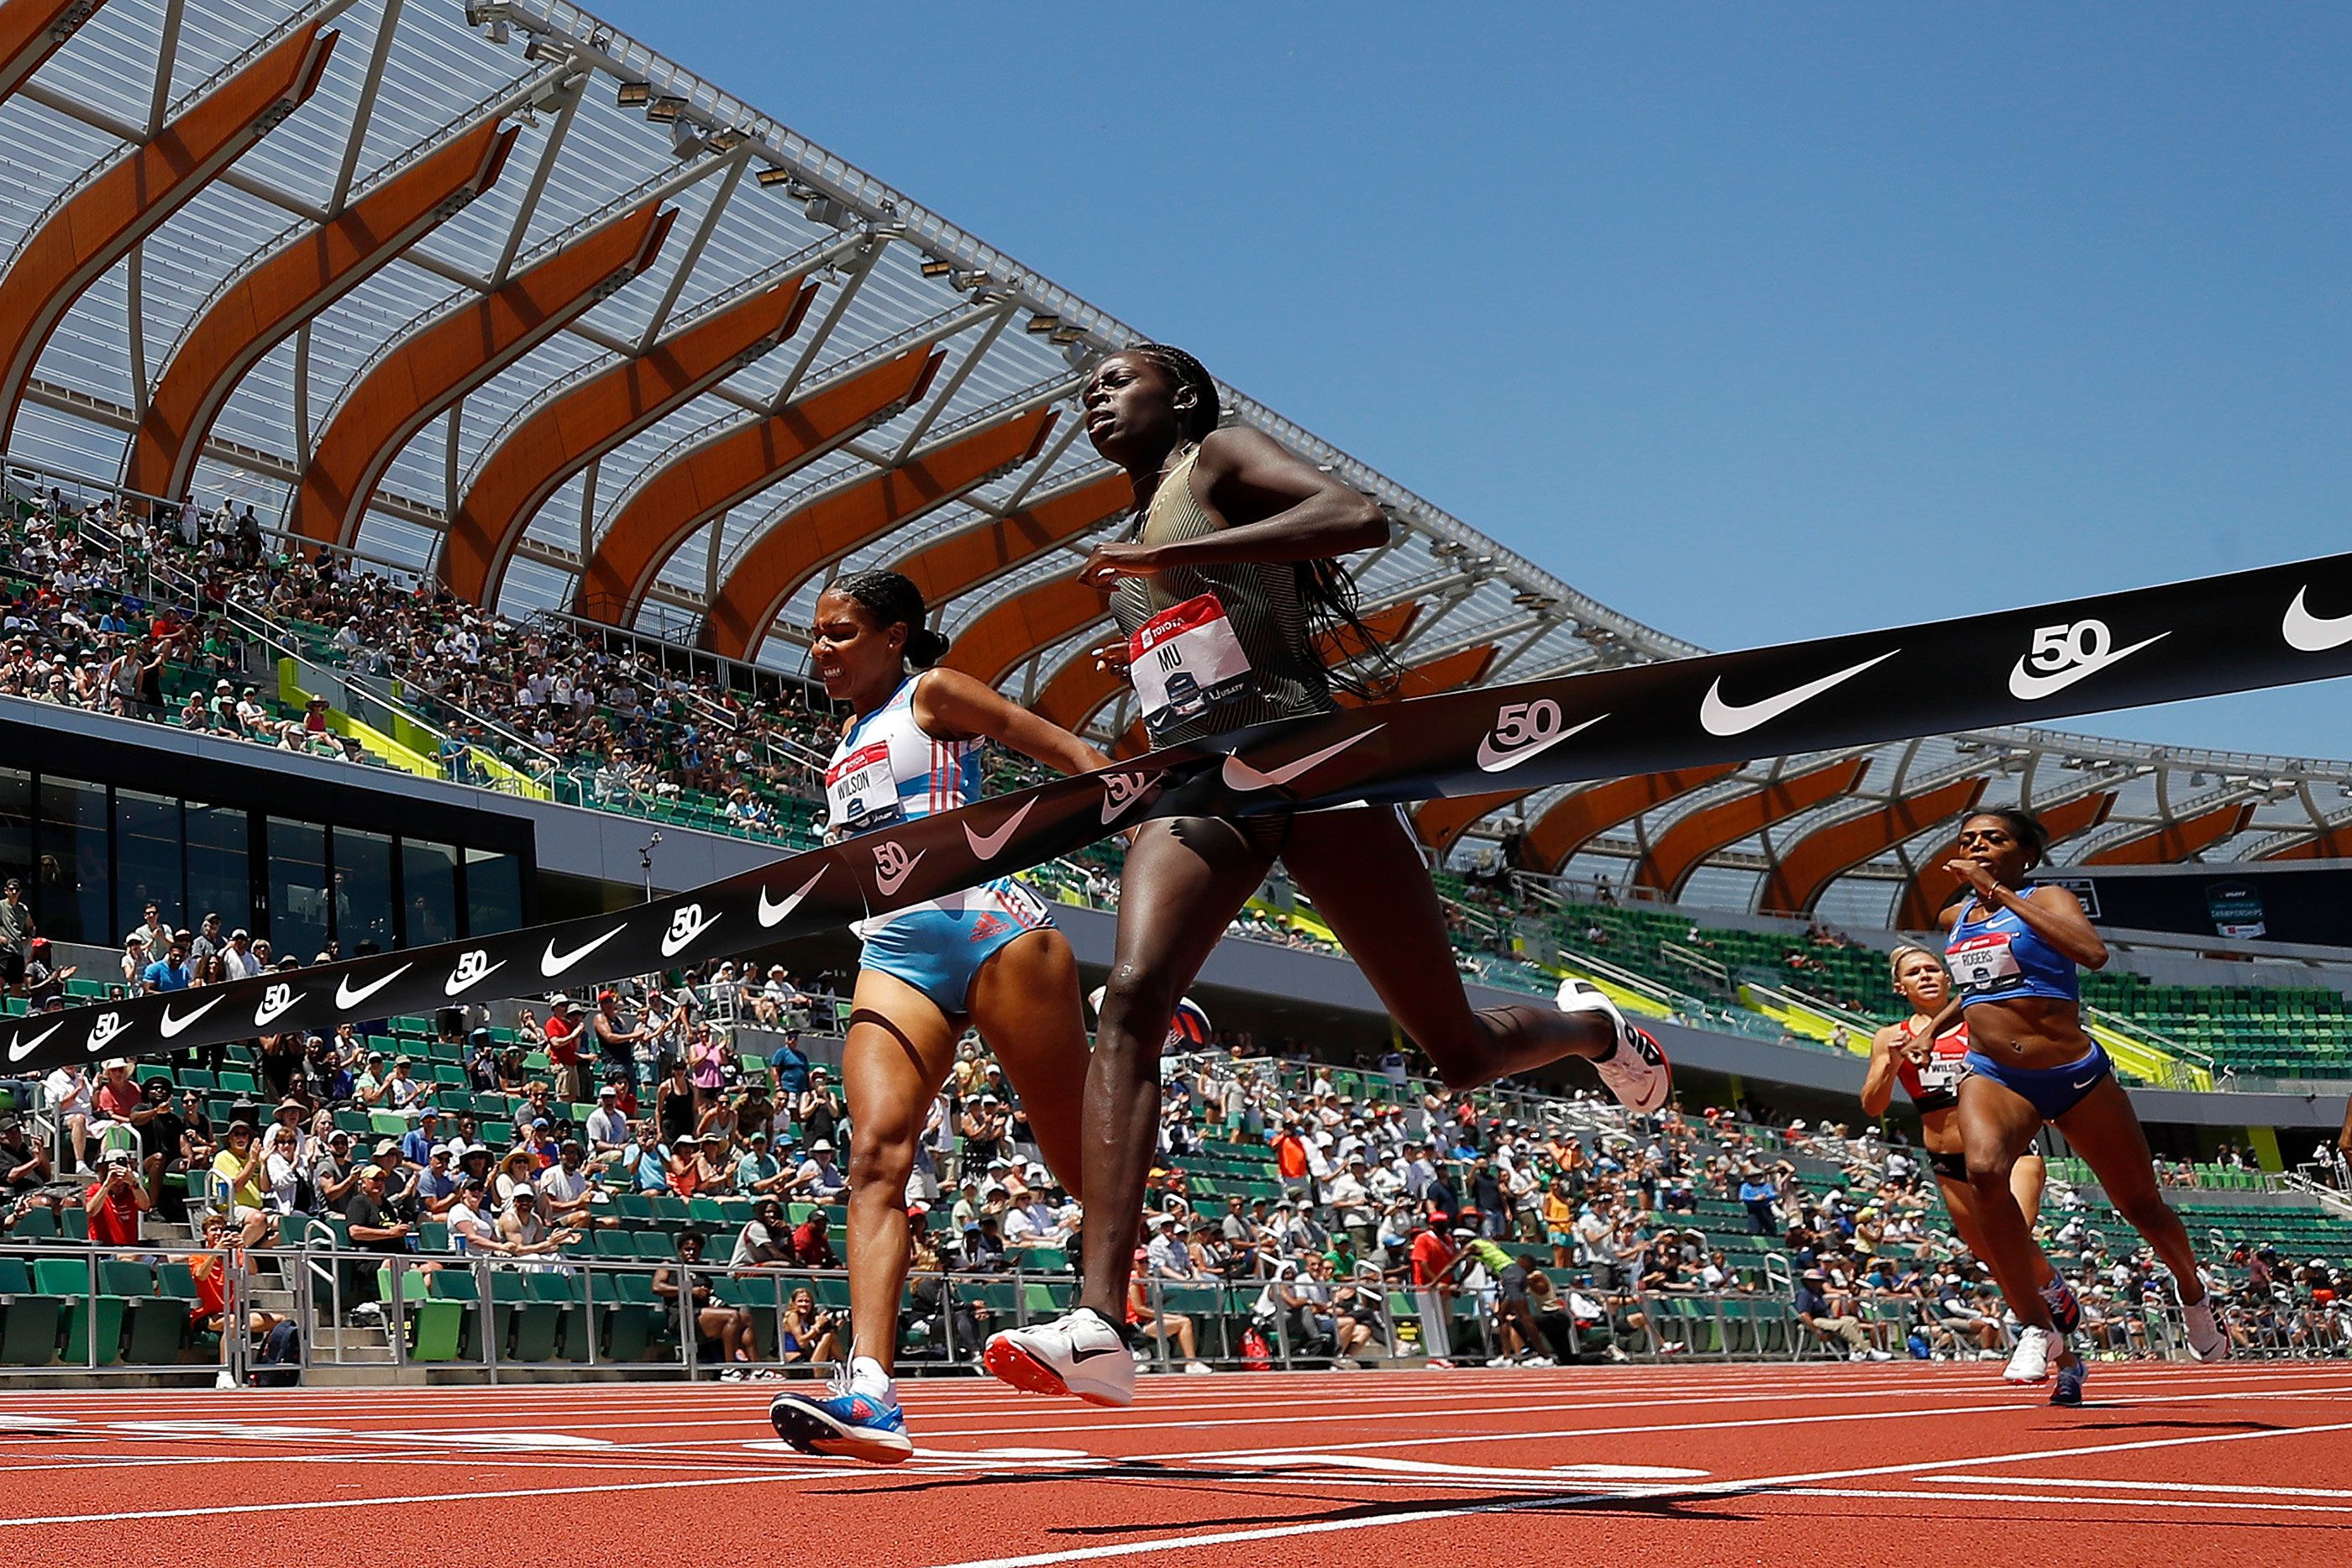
(634, 95)
(936, 266)
(772, 177)
(1067, 334)
(965, 282)
(685, 141)
(826, 211)
(664, 109)
(546, 51)
(728, 140)
(487, 12)
(1044, 323)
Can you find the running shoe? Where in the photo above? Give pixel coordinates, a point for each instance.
(2065, 1308)
(1077, 1353)
(2068, 1390)
(842, 1424)
(2206, 1340)
(1637, 1070)
(2030, 1363)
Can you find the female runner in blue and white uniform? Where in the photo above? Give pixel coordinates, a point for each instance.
(2014, 953)
(1926, 1053)
(990, 956)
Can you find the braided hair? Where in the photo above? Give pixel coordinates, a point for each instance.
(1325, 590)
(893, 600)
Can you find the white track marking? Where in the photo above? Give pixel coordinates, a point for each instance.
(2172, 1486)
(1801, 1484)
(2070, 1502)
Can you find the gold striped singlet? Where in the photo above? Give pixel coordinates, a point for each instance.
(1259, 603)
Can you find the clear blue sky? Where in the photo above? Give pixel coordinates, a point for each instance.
(1756, 323)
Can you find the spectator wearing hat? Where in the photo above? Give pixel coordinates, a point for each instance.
(469, 1231)
(437, 1181)
(43, 977)
(648, 1163)
(609, 1139)
(616, 1041)
(818, 1109)
(115, 1201)
(563, 1034)
(418, 1143)
(1813, 1311)
(818, 1180)
(758, 1172)
(17, 931)
(526, 1231)
(237, 1175)
(404, 1092)
(813, 1243)
(368, 1092)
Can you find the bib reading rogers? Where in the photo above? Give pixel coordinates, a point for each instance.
(1184, 659)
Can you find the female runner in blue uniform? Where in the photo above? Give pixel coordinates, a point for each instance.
(1224, 592)
(990, 956)
(2014, 953)
(1926, 1053)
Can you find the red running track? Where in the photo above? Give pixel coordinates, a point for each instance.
(1666, 1465)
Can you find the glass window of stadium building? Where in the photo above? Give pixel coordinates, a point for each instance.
(300, 865)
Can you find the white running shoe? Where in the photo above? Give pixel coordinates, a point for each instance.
(1637, 1072)
(2030, 1363)
(226, 1379)
(1077, 1353)
(2206, 1340)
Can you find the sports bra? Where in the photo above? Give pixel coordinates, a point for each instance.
(1212, 648)
(1935, 1084)
(2002, 958)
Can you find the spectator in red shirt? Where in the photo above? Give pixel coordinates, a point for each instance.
(562, 1032)
(115, 1201)
(1290, 1159)
(1433, 1283)
(813, 1243)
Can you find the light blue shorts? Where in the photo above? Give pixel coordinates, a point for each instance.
(937, 951)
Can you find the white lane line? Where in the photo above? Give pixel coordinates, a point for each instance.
(137, 1515)
(1723, 1488)
(2067, 1502)
(2200, 1487)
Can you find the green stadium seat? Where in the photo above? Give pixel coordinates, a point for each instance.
(32, 1323)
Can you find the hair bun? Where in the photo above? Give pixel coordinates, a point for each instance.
(925, 647)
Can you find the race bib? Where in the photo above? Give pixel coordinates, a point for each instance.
(1982, 962)
(1939, 1074)
(860, 790)
(1184, 659)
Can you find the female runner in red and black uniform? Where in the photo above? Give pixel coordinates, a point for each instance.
(1925, 1053)
(1223, 590)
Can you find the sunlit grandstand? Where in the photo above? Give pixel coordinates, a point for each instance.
(428, 429)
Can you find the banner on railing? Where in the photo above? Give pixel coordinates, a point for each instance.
(2274, 626)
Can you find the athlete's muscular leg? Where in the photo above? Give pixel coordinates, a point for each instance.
(1025, 1002)
(1365, 874)
(895, 1056)
(1185, 878)
(1996, 1123)
(2105, 1131)
(1960, 1202)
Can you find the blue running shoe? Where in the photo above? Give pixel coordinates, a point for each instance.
(842, 1424)
(2068, 1390)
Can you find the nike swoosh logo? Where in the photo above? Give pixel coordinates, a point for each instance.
(985, 845)
(454, 984)
(346, 996)
(1240, 775)
(552, 963)
(268, 1009)
(1098, 1350)
(773, 914)
(2087, 1082)
(888, 884)
(18, 1050)
(1496, 761)
(673, 945)
(171, 1027)
(2027, 686)
(1717, 716)
(2308, 633)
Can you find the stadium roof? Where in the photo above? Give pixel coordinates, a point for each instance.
(497, 292)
